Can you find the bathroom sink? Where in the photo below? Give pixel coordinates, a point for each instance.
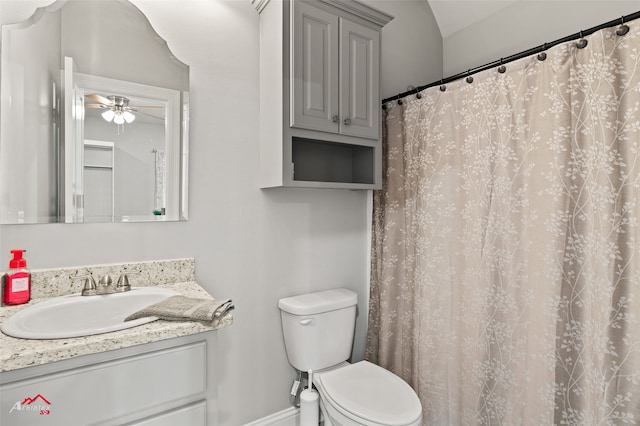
(75, 315)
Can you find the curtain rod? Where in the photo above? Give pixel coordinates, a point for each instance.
(523, 54)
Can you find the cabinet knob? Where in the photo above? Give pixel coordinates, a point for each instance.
(347, 122)
(334, 118)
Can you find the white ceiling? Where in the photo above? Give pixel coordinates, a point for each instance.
(453, 15)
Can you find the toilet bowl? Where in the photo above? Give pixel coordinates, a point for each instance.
(318, 333)
(366, 394)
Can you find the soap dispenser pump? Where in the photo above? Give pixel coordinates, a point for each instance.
(17, 280)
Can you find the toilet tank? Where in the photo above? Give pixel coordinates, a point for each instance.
(318, 328)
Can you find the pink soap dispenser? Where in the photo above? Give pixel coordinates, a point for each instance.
(17, 280)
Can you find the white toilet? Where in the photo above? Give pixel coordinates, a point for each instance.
(318, 335)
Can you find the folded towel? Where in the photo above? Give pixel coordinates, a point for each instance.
(182, 308)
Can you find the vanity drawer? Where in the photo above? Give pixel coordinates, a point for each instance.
(112, 392)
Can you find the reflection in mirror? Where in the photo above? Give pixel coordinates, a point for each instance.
(94, 118)
(119, 121)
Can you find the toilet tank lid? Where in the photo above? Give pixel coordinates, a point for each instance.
(322, 301)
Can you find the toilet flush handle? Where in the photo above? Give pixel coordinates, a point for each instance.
(308, 322)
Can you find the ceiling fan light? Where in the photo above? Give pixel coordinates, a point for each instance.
(118, 119)
(108, 115)
(128, 116)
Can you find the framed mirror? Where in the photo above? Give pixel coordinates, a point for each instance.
(93, 118)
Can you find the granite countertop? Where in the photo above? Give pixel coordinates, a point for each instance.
(18, 353)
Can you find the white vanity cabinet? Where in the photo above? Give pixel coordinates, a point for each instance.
(319, 93)
(166, 383)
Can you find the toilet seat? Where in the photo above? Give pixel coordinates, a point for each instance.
(367, 392)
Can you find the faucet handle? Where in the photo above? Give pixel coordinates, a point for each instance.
(90, 288)
(123, 282)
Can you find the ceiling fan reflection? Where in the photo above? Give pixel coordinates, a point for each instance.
(117, 109)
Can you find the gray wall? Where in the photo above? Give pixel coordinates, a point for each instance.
(254, 246)
(411, 46)
(526, 24)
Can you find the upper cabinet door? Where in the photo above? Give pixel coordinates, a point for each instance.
(359, 80)
(315, 94)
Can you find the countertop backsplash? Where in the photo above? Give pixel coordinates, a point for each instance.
(68, 280)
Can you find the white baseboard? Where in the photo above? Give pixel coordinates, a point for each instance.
(286, 417)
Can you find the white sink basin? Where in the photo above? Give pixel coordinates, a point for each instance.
(75, 315)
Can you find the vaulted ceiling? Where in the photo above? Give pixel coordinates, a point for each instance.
(453, 15)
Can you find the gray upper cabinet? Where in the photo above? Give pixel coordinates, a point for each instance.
(319, 93)
(336, 64)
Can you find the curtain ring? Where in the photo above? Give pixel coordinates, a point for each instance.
(502, 68)
(543, 55)
(623, 28)
(412, 88)
(469, 78)
(384, 106)
(582, 43)
(442, 86)
(399, 101)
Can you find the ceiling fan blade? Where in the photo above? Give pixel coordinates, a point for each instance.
(99, 98)
(96, 106)
(145, 106)
(149, 115)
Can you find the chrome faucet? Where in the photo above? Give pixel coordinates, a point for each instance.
(105, 285)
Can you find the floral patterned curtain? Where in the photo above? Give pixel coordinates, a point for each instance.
(506, 245)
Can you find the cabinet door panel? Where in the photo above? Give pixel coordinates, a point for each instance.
(314, 100)
(104, 393)
(360, 64)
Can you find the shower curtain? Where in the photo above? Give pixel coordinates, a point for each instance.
(505, 282)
